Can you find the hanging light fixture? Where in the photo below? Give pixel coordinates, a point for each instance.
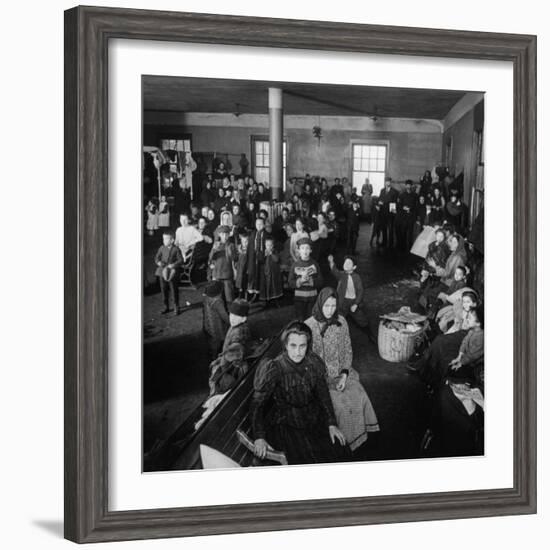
(318, 132)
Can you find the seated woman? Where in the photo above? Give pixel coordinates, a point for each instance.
(465, 336)
(457, 419)
(448, 296)
(331, 341)
(438, 251)
(291, 407)
(443, 276)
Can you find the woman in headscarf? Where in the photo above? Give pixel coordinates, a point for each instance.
(460, 348)
(446, 274)
(291, 408)
(331, 341)
(226, 220)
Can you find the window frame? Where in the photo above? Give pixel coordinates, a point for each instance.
(373, 143)
(265, 138)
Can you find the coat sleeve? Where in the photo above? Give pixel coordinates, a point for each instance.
(292, 276)
(318, 277)
(359, 291)
(222, 312)
(472, 347)
(265, 381)
(158, 255)
(346, 353)
(322, 393)
(336, 272)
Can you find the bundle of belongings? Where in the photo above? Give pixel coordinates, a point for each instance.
(423, 241)
(398, 334)
(225, 371)
(404, 320)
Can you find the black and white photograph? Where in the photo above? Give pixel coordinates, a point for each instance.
(313, 273)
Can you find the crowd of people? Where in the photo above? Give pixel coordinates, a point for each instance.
(309, 401)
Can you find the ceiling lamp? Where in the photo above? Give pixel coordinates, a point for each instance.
(318, 132)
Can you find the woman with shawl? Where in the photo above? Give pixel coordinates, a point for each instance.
(291, 408)
(461, 347)
(430, 290)
(331, 341)
(226, 220)
(457, 258)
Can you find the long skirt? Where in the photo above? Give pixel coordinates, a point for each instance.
(271, 285)
(354, 411)
(152, 221)
(164, 220)
(306, 446)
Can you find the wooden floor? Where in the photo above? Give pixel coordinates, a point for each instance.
(398, 398)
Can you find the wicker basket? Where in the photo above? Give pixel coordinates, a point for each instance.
(396, 346)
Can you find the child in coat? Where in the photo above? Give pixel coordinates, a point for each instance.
(350, 292)
(241, 273)
(222, 257)
(271, 285)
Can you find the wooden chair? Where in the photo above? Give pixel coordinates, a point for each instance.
(187, 271)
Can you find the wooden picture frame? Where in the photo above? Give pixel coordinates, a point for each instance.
(87, 34)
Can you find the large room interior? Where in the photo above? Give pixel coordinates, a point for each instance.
(319, 130)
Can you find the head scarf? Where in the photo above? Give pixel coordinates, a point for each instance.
(318, 314)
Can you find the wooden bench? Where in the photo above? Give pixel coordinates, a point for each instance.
(219, 431)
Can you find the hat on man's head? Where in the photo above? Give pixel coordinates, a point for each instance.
(224, 229)
(213, 288)
(304, 240)
(239, 307)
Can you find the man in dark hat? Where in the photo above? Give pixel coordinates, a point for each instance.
(388, 203)
(406, 215)
(305, 278)
(239, 331)
(221, 259)
(215, 318)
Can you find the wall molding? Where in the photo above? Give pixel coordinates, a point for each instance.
(295, 122)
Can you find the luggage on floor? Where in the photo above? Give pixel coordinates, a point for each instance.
(398, 333)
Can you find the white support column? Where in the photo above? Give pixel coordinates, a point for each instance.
(276, 143)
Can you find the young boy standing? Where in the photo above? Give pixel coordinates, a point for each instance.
(305, 278)
(221, 261)
(168, 260)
